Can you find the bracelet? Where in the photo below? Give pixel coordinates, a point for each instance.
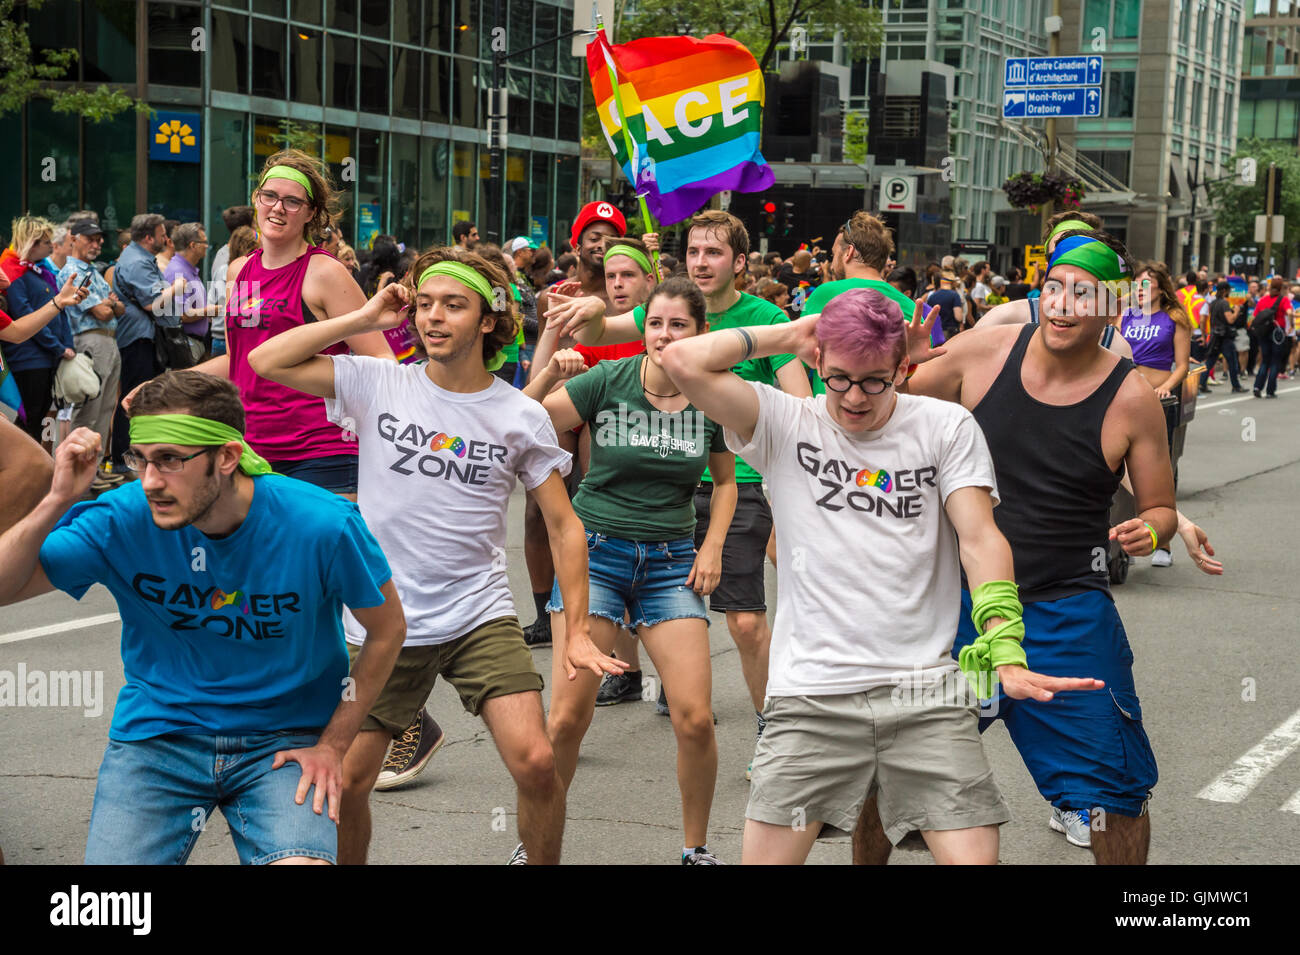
(749, 342)
(1155, 538)
(911, 369)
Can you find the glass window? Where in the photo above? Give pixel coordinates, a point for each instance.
(539, 205)
(464, 17)
(340, 145)
(342, 15)
(464, 182)
(1202, 15)
(52, 135)
(570, 65)
(229, 52)
(403, 186)
(1286, 120)
(1263, 7)
(374, 77)
(1180, 97)
(1212, 124)
(1096, 14)
(519, 118)
(1266, 119)
(1120, 94)
(1246, 119)
(544, 106)
(547, 25)
(108, 43)
(516, 193)
(406, 82)
(227, 157)
(465, 101)
(569, 119)
(268, 58)
(372, 175)
(171, 60)
(374, 18)
(521, 32)
(341, 72)
(305, 65)
(437, 24)
(1128, 16)
(1197, 90)
(435, 159)
(272, 8)
(406, 21)
(174, 189)
(306, 11)
(437, 88)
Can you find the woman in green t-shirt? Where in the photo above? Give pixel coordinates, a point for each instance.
(649, 449)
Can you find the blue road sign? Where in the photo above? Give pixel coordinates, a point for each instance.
(1053, 71)
(1070, 101)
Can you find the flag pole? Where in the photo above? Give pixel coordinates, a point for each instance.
(647, 220)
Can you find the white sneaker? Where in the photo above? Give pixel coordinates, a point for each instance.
(1074, 823)
(1162, 558)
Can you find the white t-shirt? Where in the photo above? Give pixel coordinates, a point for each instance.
(868, 591)
(980, 292)
(435, 474)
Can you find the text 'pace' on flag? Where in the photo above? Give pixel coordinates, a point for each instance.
(694, 113)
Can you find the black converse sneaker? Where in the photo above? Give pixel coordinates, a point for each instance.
(411, 752)
(700, 855)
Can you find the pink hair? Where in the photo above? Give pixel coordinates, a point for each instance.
(861, 324)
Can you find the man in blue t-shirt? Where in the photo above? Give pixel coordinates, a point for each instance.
(230, 582)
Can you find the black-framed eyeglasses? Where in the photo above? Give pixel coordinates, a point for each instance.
(166, 463)
(268, 200)
(840, 384)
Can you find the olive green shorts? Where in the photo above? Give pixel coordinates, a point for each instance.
(491, 660)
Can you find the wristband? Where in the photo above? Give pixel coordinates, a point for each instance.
(999, 646)
(1155, 538)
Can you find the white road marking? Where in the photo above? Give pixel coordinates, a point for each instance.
(1232, 401)
(59, 628)
(1245, 774)
(1292, 804)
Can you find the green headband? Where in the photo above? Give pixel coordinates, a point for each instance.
(1092, 256)
(287, 172)
(187, 429)
(1067, 225)
(634, 254)
(471, 279)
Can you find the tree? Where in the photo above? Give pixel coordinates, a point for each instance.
(762, 25)
(1236, 206)
(22, 79)
(855, 137)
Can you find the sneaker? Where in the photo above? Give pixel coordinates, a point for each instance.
(619, 688)
(1238, 390)
(538, 633)
(701, 855)
(519, 856)
(1074, 823)
(1162, 558)
(1257, 393)
(411, 752)
(661, 704)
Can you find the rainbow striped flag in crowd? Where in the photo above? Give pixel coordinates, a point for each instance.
(694, 118)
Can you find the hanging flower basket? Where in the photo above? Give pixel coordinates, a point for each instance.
(1029, 190)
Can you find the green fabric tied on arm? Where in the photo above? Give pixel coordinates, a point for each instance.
(188, 429)
(1001, 645)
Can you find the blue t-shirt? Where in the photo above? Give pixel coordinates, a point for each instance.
(237, 635)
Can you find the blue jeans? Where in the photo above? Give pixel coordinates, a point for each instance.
(1272, 359)
(646, 578)
(1225, 346)
(154, 796)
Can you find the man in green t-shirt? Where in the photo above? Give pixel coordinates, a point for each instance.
(717, 251)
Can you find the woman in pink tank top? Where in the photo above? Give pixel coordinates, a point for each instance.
(282, 284)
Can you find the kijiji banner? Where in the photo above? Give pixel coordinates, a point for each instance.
(694, 113)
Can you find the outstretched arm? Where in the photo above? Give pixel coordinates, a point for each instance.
(1152, 477)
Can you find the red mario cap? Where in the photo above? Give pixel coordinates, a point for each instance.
(600, 211)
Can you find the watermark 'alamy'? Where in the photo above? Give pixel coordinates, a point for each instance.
(82, 689)
(75, 907)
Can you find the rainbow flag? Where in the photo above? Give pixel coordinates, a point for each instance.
(694, 113)
(1240, 290)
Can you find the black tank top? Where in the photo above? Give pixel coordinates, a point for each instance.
(1053, 480)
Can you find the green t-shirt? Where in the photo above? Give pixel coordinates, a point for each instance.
(645, 463)
(824, 293)
(748, 310)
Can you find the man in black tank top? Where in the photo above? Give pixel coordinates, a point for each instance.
(1064, 418)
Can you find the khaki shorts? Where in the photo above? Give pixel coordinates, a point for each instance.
(491, 660)
(821, 757)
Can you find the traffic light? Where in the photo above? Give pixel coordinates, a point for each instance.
(769, 218)
(787, 218)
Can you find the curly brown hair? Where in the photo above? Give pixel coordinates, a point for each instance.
(506, 329)
(324, 198)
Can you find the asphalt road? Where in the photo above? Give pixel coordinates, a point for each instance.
(1216, 670)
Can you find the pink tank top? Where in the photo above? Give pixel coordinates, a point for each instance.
(282, 424)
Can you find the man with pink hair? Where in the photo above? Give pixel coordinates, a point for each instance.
(899, 490)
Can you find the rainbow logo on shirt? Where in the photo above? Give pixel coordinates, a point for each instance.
(455, 445)
(221, 599)
(879, 479)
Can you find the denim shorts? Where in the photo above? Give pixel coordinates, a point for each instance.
(154, 796)
(647, 578)
(336, 472)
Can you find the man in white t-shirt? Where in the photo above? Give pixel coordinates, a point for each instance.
(868, 488)
(441, 446)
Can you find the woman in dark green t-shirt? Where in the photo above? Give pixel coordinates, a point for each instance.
(649, 448)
